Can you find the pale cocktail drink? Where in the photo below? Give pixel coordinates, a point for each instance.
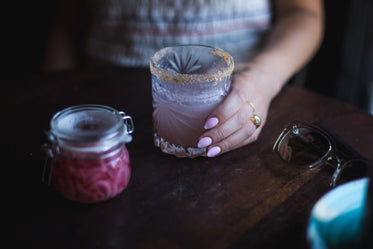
(188, 83)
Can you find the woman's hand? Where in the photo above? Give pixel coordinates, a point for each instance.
(229, 125)
(295, 36)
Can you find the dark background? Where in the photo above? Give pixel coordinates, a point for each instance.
(25, 30)
(342, 68)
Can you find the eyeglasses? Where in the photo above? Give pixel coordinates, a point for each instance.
(314, 145)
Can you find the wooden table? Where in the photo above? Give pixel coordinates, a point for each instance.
(247, 198)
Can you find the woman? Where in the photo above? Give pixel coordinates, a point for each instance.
(270, 41)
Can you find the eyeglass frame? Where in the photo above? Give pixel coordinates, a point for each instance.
(331, 154)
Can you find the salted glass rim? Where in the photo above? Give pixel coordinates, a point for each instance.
(182, 78)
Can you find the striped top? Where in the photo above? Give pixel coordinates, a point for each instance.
(129, 32)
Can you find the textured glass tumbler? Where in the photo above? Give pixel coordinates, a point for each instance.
(188, 83)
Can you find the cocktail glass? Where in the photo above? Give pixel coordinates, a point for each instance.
(188, 83)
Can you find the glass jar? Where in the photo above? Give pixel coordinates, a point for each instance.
(88, 157)
(188, 83)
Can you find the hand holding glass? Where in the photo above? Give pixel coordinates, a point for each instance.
(188, 83)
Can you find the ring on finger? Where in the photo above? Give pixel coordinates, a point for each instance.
(257, 121)
(252, 106)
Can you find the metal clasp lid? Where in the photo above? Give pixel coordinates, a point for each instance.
(129, 127)
(128, 122)
(52, 152)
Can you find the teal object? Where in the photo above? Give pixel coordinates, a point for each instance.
(337, 218)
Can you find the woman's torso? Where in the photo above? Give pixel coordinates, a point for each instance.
(129, 32)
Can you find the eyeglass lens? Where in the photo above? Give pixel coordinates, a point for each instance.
(303, 146)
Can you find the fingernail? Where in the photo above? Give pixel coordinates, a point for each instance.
(204, 142)
(213, 151)
(211, 122)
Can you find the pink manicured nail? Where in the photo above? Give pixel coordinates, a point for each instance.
(204, 142)
(213, 151)
(211, 122)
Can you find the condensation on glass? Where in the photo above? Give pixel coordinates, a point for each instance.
(188, 82)
(88, 159)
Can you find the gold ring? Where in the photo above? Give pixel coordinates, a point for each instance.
(257, 121)
(252, 106)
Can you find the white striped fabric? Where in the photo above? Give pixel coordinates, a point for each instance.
(129, 32)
